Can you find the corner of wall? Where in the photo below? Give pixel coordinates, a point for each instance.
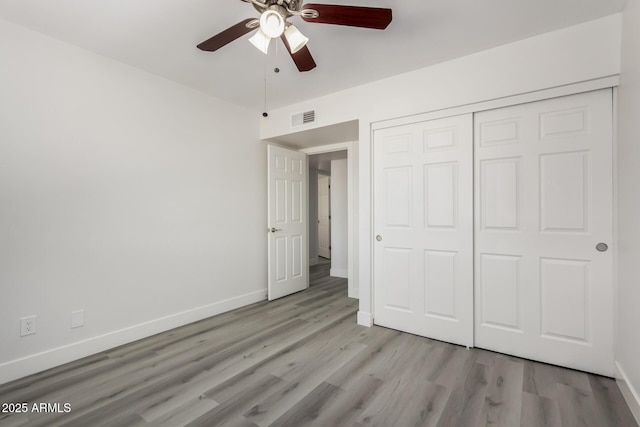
(338, 272)
(365, 319)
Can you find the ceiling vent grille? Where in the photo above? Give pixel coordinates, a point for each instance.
(301, 119)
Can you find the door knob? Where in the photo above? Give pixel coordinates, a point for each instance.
(379, 238)
(602, 247)
(273, 229)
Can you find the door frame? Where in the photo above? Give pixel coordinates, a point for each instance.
(352, 253)
(365, 174)
(325, 174)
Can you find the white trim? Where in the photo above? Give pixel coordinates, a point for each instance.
(32, 364)
(365, 216)
(365, 319)
(630, 394)
(339, 272)
(352, 287)
(539, 95)
(615, 199)
(340, 146)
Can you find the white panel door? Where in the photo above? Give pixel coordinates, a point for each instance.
(287, 221)
(324, 217)
(423, 216)
(543, 177)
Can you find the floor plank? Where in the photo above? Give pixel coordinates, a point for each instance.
(578, 408)
(503, 404)
(610, 402)
(467, 399)
(538, 411)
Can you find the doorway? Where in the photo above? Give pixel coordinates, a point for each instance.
(322, 142)
(328, 211)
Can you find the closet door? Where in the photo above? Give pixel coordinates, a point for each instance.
(423, 223)
(543, 221)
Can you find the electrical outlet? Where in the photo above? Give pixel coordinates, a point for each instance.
(77, 319)
(27, 326)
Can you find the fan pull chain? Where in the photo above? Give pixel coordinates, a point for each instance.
(265, 114)
(276, 69)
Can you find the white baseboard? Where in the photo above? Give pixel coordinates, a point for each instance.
(339, 272)
(630, 394)
(365, 319)
(35, 363)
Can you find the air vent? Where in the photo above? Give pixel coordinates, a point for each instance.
(301, 119)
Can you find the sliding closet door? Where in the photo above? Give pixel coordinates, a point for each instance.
(423, 222)
(543, 219)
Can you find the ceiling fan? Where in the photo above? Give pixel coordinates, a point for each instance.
(273, 24)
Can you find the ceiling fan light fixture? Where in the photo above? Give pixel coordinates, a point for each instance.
(295, 38)
(272, 23)
(261, 41)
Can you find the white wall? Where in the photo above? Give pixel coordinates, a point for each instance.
(313, 216)
(131, 197)
(628, 338)
(339, 219)
(575, 54)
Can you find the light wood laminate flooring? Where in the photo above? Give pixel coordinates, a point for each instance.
(303, 360)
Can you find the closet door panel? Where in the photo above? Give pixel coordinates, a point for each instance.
(423, 215)
(543, 184)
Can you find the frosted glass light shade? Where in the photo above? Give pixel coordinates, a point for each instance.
(260, 40)
(295, 38)
(272, 23)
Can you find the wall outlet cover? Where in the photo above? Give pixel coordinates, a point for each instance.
(27, 326)
(77, 318)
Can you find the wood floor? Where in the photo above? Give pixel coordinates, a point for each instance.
(302, 360)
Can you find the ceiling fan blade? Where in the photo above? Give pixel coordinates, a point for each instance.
(302, 58)
(354, 16)
(228, 35)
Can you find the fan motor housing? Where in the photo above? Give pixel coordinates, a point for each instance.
(289, 4)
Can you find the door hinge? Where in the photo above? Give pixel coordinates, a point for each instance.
(329, 216)
(329, 247)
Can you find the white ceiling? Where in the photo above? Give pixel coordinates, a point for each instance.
(160, 36)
